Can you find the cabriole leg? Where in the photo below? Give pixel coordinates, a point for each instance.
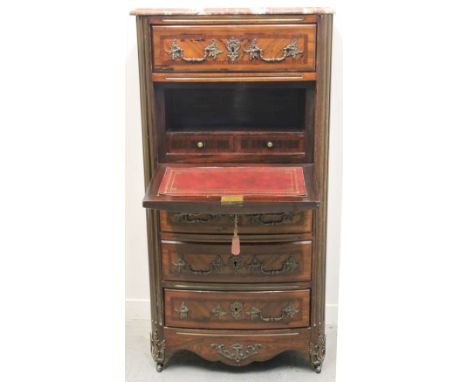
(317, 353)
(158, 346)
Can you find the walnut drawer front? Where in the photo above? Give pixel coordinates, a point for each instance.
(245, 47)
(257, 263)
(198, 143)
(271, 143)
(267, 223)
(237, 310)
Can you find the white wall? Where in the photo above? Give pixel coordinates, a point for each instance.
(136, 264)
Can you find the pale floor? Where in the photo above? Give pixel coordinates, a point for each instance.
(187, 367)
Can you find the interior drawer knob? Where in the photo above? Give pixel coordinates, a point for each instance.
(200, 145)
(269, 144)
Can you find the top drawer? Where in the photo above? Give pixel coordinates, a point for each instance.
(228, 48)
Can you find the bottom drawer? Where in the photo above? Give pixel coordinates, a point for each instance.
(238, 347)
(237, 310)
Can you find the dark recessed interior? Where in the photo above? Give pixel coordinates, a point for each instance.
(235, 107)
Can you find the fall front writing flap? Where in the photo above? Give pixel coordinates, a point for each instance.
(232, 189)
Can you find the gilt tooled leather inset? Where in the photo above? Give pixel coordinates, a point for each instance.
(213, 181)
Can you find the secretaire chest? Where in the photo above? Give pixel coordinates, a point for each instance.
(235, 111)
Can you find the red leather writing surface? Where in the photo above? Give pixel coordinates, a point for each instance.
(213, 181)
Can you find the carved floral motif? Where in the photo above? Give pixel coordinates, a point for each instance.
(250, 219)
(233, 52)
(318, 350)
(233, 46)
(218, 312)
(237, 352)
(183, 311)
(158, 347)
(237, 312)
(236, 309)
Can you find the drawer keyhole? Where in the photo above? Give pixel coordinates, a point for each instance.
(236, 309)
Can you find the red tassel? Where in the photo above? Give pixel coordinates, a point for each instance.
(235, 246)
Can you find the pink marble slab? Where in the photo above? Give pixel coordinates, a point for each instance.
(230, 11)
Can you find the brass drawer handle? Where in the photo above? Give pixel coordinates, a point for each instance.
(176, 52)
(237, 312)
(263, 219)
(200, 145)
(215, 266)
(272, 219)
(195, 218)
(233, 46)
(183, 311)
(287, 313)
(236, 264)
(269, 144)
(288, 266)
(256, 53)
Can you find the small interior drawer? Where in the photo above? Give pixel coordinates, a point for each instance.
(271, 143)
(285, 262)
(239, 310)
(190, 143)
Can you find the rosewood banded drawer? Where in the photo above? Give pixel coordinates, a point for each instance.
(271, 143)
(257, 263)
(248, 47)
(237, 310)
(208, 223)
(199, 143)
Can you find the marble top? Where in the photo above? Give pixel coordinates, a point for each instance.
(230, 11)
